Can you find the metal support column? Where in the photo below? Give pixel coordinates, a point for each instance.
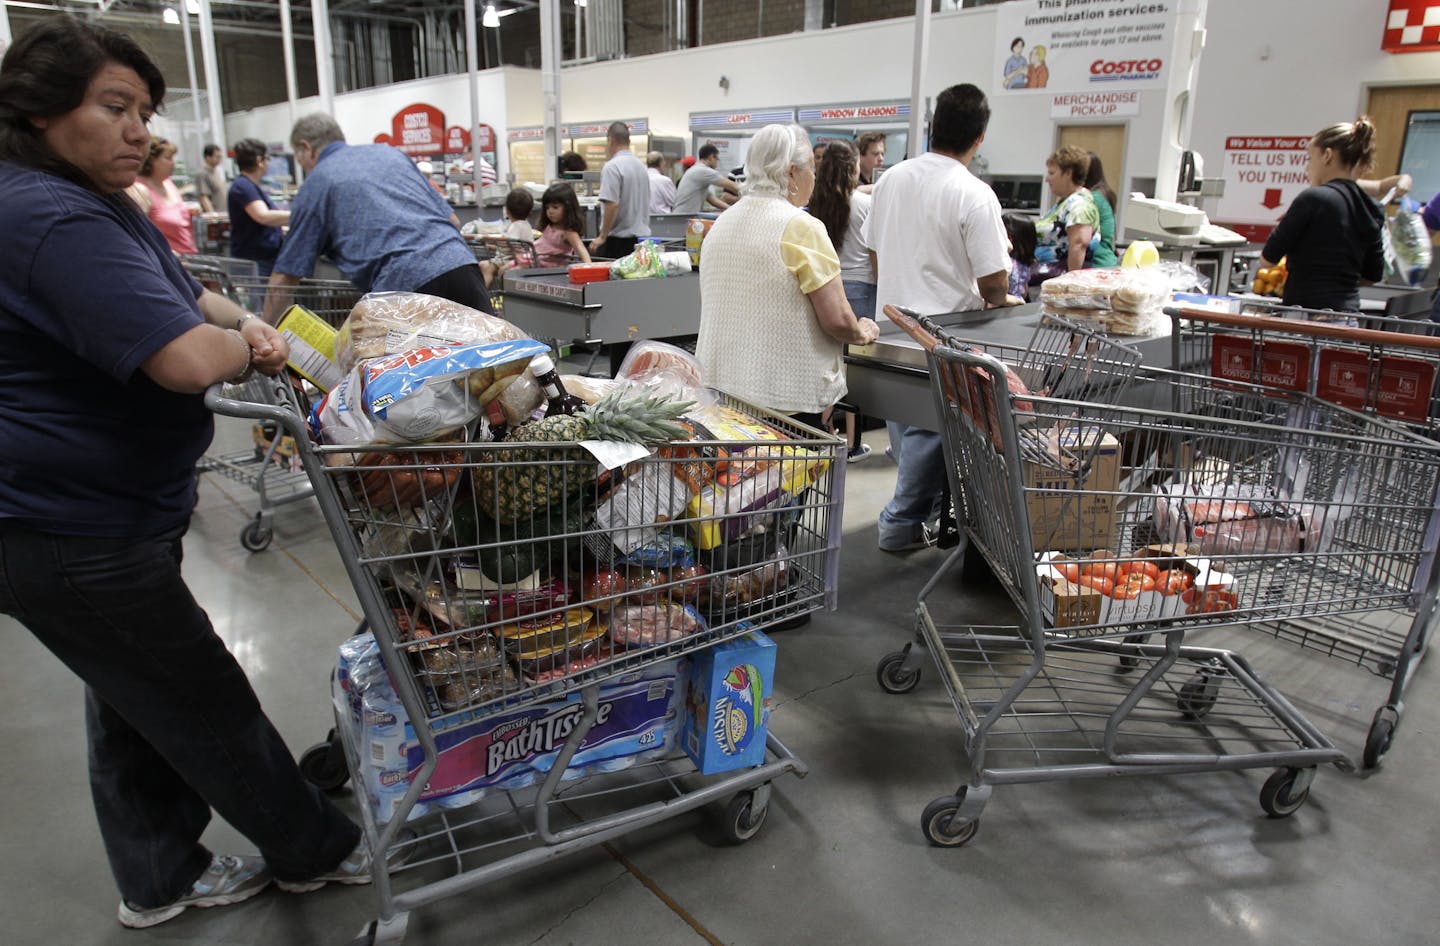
(324, 56)
(550, 82)
(287, 36)
(199, 154)
(919, 62)
(212, 73)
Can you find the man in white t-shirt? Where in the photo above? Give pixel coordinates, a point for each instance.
(953, 257)
(694, 191)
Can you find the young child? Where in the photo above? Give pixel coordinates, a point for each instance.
(518, 204)
(560, 227)
(1021, 231)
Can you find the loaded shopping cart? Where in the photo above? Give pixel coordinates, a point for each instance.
(1107, 524)
(555, 653)
(1389, 372)
(269, 465)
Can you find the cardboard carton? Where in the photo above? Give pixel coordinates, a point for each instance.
(726, 714)
(1070, 493)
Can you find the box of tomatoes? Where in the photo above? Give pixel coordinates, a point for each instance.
(1070, 485)
(1103, 589)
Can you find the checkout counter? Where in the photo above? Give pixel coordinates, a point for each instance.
(891, 377)
(547, 305)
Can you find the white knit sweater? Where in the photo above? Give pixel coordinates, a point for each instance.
(759, 338)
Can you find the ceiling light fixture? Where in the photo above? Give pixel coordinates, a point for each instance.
(582, 3)
(192, 7)
(169, 16)
(491, 19)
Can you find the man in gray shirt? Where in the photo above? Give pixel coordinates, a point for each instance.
(694, 191)
(624, 197)
(210, 186)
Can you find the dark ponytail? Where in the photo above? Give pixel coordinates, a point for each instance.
(1352, 142)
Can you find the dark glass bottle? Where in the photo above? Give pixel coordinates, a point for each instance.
(559, 401)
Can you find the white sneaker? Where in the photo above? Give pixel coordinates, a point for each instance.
(228, 879)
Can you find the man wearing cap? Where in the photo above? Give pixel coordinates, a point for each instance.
(694, 191)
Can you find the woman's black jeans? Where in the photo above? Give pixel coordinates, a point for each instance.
(175, 729)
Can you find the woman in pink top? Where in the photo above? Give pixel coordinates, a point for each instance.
(160, 199)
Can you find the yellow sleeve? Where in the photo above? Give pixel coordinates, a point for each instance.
(807, 252)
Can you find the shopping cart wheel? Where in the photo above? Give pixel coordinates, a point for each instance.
(1197, 696)
(323, 764)
(743, 818)
(1127, 661)
(1382, 733)
(938, 822)
(256, 537)
(1285, 791)
(383, 932)
(894, 676)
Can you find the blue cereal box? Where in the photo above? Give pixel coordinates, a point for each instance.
(726, 715)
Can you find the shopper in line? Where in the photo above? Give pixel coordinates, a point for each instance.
(110, 343)
(1020, 230)
(518, 205)
(159, 199)
(842, 208)
(370, 210)
(624, 197)
(1106, 202)
(694, 193)
(952, 257)
(1065, 233)
(766, 247)
(1331, 233)
(662, 189)
(870, 146)
(254, 221)
(210, 187)
(560, 224)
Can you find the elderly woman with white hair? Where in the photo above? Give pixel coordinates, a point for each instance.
(773, 315)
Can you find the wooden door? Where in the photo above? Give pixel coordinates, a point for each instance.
(1389, 107)
(1107, 141)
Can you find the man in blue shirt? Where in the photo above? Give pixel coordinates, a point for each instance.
(371, 211)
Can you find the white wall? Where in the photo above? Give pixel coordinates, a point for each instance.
(1291, 67)
(1321, 54)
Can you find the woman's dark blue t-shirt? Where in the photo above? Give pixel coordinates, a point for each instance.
(248, 239)
(88, 291)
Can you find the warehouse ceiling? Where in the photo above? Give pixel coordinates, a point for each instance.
(243, 16)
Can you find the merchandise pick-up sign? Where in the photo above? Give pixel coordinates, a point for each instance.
(416, 129)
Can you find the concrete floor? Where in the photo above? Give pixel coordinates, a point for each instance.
(841, 860)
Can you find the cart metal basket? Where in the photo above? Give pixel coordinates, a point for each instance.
(1389, 371)
(482, 606)
(1249, 505)
(270, 467)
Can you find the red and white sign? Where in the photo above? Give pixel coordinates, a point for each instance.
(416, 130)
(1095, 104)
(1274, 364)
(1263, 174)
(457, 139)
(1395, 387)
(1412, 26)
(485, 136)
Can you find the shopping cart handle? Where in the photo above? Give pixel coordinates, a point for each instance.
(287, 416)
(1268, 323)
(910, 322)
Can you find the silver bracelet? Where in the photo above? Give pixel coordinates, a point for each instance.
(244, 317)
(249, 368)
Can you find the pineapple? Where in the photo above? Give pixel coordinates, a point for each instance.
(514, 483)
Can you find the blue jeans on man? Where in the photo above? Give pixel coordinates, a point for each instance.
(920, 482)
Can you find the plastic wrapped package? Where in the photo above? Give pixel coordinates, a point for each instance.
(1238, 519)
(387, 323)
(646, 625)
(419, 394)
(587, 389)
(664, 369)
(1411, 243)
(1125, 290)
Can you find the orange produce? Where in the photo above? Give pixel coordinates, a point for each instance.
(1173, 582)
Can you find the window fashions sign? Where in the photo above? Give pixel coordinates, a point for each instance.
(1082, 45)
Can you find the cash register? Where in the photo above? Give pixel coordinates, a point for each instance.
(1174, 224)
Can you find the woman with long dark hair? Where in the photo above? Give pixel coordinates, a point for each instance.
(1105, 201)
(112, 344)
(842, 209)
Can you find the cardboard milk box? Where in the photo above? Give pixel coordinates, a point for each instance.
(1070, 488)
(726, 717)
